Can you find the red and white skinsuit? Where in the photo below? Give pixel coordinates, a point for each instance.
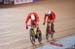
(33, 22)
(50, 18)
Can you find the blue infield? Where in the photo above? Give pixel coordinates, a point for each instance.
(67, 42)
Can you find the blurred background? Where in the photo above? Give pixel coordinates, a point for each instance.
(13, 13)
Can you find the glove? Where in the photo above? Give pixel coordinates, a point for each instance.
(26, 27)
(43, 23)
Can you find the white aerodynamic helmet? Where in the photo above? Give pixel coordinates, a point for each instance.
(32, 17)
(48, 12)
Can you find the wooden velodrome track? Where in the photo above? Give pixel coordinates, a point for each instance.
(13, 34)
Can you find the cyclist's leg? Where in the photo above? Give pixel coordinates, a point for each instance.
(39, 37)
(52, 26)
(38, 33)
(34, 34)
(48, 29)
(52, 37)
(52, 30)
(47, 35)
(32, 38)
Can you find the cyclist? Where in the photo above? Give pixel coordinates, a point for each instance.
(50, 17)
(35, 32)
